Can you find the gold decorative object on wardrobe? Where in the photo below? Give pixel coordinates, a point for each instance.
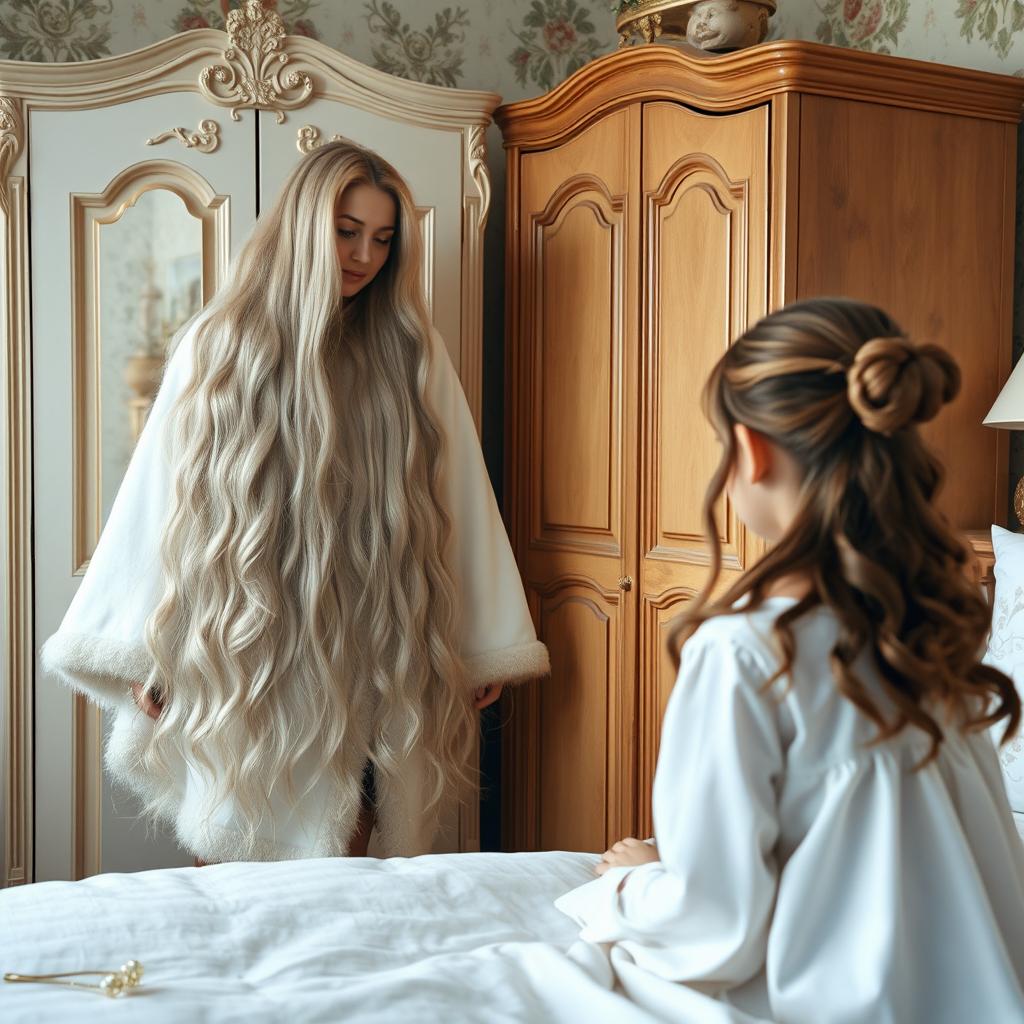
(704, 24)
(308, 138)
(205, 139)
(657, 205)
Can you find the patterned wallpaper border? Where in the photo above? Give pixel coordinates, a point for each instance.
(519, 47)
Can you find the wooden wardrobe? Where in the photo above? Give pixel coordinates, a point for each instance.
(657, 205)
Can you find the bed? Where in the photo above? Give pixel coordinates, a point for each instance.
(456, 937)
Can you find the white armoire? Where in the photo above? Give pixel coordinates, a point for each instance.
(126, 186)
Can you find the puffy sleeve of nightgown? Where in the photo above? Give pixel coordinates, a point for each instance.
(701, 914)
(497, 636)
(100, 647)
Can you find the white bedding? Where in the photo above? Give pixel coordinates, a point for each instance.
(470, 937)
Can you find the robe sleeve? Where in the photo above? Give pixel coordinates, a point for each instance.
(701, 914)
(497, 639)
(100, 646)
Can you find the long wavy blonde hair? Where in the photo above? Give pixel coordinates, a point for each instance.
(838, 385)
(304, 555)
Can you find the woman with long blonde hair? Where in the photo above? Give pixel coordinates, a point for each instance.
(832, 837)
(304, 582)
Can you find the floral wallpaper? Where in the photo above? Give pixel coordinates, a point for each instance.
(434, 54)
(55, 31)
(516, 47)
(994, 21)
(557, 37)
(987, 35)
(212, 13)
(864, 24)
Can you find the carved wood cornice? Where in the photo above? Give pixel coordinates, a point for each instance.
(253, 75)
(177, 64)
(756, 75)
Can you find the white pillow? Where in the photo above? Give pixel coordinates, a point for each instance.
(1006, 648)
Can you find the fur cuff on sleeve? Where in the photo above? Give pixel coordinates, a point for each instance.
(517, 664)
(99, 667)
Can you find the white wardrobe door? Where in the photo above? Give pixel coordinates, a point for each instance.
(430, 160)
(127, 239)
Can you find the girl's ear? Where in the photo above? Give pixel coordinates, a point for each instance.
(755, 453)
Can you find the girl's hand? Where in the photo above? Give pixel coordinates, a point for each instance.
(628, 853)
(146, 703)
(486, 695)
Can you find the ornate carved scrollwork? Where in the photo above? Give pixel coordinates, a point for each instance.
(12, 137)
(309, 139)
(206, 139)
(478, 168)
(253, 77)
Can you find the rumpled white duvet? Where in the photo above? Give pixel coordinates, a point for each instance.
(458, 937)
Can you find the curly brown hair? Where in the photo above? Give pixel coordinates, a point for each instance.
(839, 386)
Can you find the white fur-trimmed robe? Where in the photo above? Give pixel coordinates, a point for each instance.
(100, 647)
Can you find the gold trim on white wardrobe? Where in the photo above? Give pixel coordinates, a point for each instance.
(12, 135)
(308, 139)
(475, 209)
(425, 220)
(205, 139)
(16, 515)
(89, 212)
(87, 790)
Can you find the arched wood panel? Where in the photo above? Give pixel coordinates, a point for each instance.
(569, 762)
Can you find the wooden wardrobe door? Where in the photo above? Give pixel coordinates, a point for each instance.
(705, 220)
(920, 201)
(575, 508)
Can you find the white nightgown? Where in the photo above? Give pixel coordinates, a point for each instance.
(100, 648)
(804, 875)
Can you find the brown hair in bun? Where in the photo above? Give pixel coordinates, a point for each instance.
(838, 385)
(893, 383)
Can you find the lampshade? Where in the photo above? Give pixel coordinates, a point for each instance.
(1008, 409)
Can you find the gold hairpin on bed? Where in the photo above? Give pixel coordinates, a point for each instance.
(112, 983)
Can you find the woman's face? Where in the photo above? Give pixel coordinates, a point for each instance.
(365, 219)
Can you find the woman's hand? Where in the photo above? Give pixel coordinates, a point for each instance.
(628, 853)
(483, 696)
(146, 703)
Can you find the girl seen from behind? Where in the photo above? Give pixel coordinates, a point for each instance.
(832, 837)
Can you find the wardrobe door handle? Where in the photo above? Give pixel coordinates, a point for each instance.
(626, 583)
